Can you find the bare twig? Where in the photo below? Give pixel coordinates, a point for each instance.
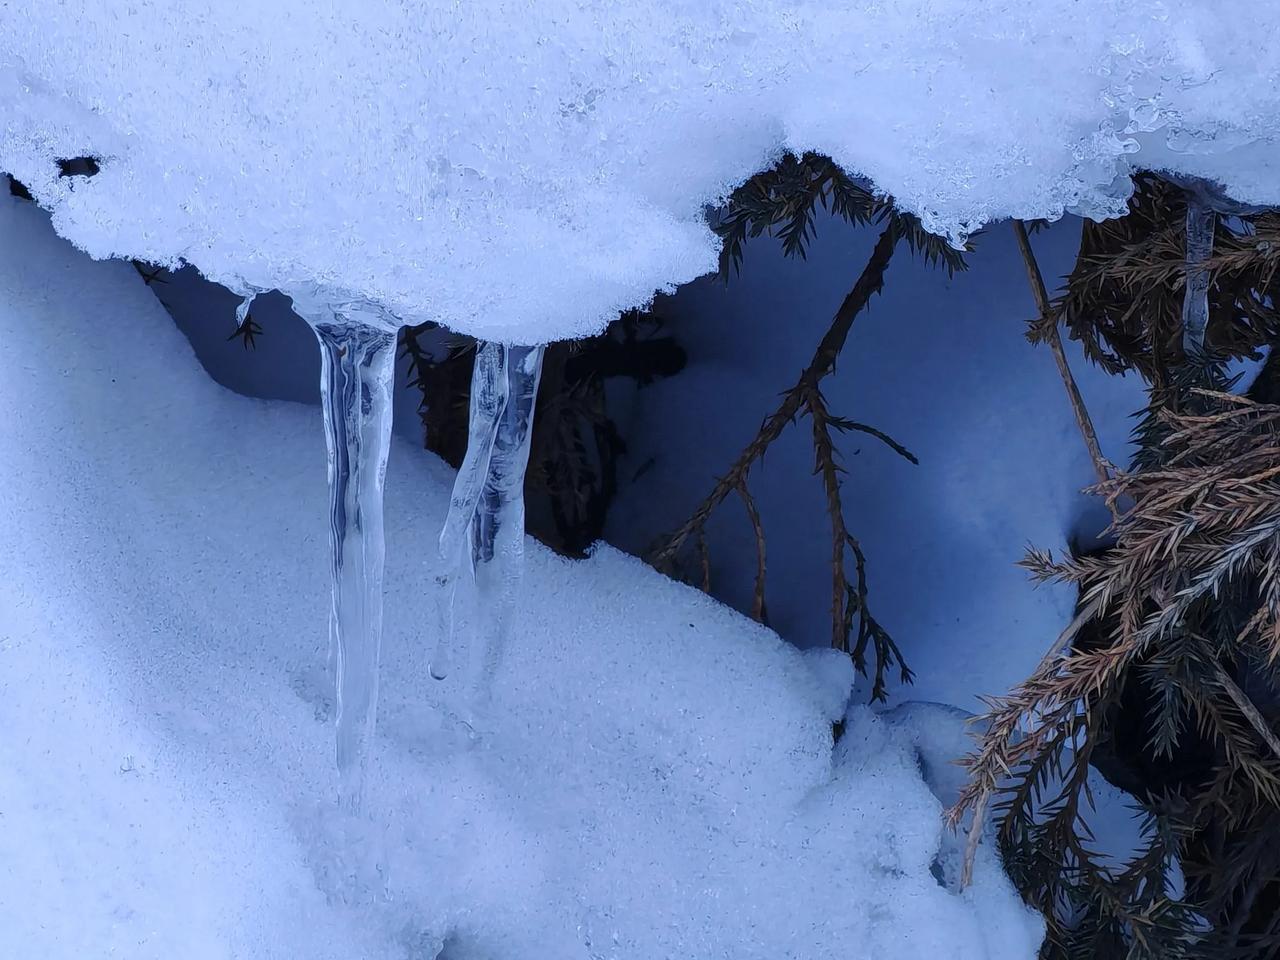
(757, 595)
(867, 285)
(1245, 705)
(704, 560)
(1048, 327)
(1083, 616)
(825, 465)
(848, 598)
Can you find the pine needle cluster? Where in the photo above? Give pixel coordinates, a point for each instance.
(1167, 681)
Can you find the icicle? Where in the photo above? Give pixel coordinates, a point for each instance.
(358, 350)
(498, 531)
(242, 311)
(488, 399)
(1195, 302)
(492, 513)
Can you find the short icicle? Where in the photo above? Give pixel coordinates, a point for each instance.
(488, 400)
(499, 529)
(486, 514)
(358, 350)
(1201, 221)
(247, 295)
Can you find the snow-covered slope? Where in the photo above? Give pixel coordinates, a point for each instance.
(524, 169)
(663, 783)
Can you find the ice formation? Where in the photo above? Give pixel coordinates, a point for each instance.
(358, 352)
(523, 171)
(1195, 303)
(498, 527)
(482, 542)
(458, 544)
(1204, 201)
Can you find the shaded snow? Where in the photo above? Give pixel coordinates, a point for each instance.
(944, 367)
(663, 784)
(525, 170)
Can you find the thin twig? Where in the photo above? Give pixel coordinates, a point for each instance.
(825, 465)
(1250, 712)
(847, 425)
(704, 560)
(1049, 326)
(1083, 616)
(757, 595)
(867, 285)
(972, 841)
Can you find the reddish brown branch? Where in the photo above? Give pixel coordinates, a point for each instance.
(757, 595)
(1048, 327)
(869, 283)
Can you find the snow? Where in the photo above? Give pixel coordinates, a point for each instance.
(524, 170)
(663, 782)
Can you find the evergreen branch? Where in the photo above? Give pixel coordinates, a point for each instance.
(854, 629)
(869, 283)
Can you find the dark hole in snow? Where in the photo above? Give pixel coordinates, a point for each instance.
(78, 167)
(939, 873)
(19, 189)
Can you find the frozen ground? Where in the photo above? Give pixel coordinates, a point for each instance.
(662, 785)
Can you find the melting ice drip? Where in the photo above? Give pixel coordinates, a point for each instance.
(1201, 220)
(482, 542)
(1205, 201)
(358, 350)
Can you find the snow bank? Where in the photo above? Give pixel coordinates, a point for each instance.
(664, 784)
(525, 170)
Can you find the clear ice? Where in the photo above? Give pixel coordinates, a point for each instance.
(358, 351)
(247, 295)
(483, 538)
(488, 400)
(1195, 302)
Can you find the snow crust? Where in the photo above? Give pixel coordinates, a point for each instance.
(525, 170)
(664, 783)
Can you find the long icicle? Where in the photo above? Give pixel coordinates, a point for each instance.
(1195, 301)
(358, 367)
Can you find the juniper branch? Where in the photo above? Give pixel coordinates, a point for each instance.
(869, 283)
(849, 598)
